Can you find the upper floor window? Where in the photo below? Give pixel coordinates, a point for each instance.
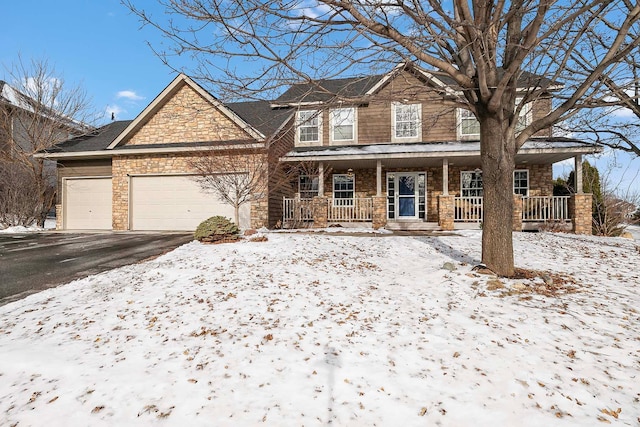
(309, 124)
(406, 122)
(308, 186)
(343, 124)
(469, 126)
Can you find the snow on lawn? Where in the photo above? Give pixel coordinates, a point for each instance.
(309, 329)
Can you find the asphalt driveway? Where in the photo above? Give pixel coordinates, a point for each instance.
(31, 262)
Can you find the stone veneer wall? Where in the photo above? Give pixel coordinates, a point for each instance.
(187, 117)
(159, 164)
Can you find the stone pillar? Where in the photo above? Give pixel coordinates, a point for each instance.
(379, 216)
(320, 213)
(445, 212)
(59, 219)
(517, 212)
(259, 214)
(581, 213)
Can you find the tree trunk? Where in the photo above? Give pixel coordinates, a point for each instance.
(236, 208)
(497, 148)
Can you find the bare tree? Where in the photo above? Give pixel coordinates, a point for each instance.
(37, 110)
(236, 176)
(494, 51)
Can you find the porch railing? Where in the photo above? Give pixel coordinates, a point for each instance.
(534, 209)
(297, 210)
(545, 208)
(468, 209)
(349, 210)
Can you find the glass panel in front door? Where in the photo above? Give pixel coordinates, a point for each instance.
(407, 195)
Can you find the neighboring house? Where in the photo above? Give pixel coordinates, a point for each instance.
(389, 150)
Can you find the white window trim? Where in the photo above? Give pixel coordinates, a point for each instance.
(394, 137)
(298, 142)
(333, 141)
(333, 188)
(514, 181)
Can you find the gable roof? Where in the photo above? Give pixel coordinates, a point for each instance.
(180, 81)
(324, 90)
(358, 88)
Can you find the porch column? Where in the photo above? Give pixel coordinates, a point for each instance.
(446, 214)
(445, 177)
(321, 179)
(379, 178)
(578, 173)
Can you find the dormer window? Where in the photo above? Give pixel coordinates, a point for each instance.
(309, 124)
(343, 125)
(407, 122)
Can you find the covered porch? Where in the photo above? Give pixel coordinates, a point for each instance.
(434, 186)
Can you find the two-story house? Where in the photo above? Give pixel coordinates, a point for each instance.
(388, 150)
(394, 150)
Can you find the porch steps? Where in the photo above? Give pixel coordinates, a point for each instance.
(412, 226)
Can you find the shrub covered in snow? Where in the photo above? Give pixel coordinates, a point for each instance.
(216, 229)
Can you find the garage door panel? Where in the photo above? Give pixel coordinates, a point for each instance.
(172, 202)
(87, 204)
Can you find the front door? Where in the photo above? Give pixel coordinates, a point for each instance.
(406, 195)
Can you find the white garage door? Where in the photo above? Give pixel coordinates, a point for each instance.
(87, 203)
(178, 203)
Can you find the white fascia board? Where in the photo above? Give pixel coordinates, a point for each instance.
(297, 104)
(385, 79)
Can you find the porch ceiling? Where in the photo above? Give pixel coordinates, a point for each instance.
(540, 151)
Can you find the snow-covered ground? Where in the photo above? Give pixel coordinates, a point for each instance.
(311, 329)
(49, 224)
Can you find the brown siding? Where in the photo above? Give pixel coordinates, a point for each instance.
(78, 168)
(279, 186)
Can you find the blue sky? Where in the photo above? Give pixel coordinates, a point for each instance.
(97, 44)
(100, 45)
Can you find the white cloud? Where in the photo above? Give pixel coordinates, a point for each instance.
(130, 95)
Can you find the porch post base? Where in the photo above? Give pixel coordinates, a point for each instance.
(445, 212)
(581, 213)
(320, 213)
(517, 212)
(379, 214)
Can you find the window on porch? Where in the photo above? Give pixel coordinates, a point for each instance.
(343, 189)
(308, 186)
(471, 183)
